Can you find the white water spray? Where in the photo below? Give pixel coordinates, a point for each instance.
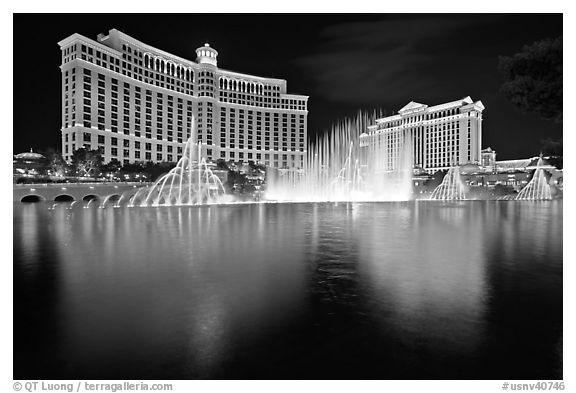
(347, 164)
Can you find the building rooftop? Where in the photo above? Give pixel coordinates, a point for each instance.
(525, 163)
(30, 155)
(414, 107)
(205, 54)
(470, 168)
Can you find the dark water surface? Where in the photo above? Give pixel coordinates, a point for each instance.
(417, 290)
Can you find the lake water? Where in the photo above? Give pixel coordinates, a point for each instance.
(415, 290)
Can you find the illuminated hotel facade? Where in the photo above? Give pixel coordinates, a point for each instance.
(439, 137)
(136, 103)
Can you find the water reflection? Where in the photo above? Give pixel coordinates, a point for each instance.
(349, 290)
(430, 268)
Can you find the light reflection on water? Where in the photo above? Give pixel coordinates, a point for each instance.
(349, 290)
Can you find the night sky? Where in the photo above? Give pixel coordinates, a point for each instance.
(344, 62)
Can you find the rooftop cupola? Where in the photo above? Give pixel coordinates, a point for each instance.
(207, 55)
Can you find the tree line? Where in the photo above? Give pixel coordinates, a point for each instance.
(88, 164)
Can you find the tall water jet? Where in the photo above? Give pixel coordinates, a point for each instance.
(451, 187)
(190, 182)
(388, 164)
(538, 188)
(347, 164)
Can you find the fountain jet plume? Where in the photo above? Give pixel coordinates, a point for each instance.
(350, 164)
(538, 188)
(190, 182)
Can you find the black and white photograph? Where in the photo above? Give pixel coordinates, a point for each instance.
(287, 196)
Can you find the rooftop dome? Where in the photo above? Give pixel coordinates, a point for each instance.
(29, 155)
(207, 55)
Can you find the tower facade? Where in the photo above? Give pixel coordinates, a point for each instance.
(440, 136)
(137, 103)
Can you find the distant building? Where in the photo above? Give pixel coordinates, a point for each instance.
(29, 156)
(511, 173)
(526, 164)
(439, 136)
(136, 103)
(488, 159)
(29, 164)
(513, 165)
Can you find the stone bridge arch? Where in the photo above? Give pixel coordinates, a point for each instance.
(64, 198)
(78, 191)
(32, 198)
(90, 197)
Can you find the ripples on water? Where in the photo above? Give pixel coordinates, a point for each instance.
(351, 290)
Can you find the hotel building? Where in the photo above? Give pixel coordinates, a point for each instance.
(439, 136)
(136, 103)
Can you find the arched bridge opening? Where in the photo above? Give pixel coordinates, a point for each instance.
(64, 198)
(90, 197)
(32, 199)
(113, 198)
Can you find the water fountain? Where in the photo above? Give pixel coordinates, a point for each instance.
(346, 164)
(105, 201)
(349, 165)
(451, 187)
(538, 188)
(190, 182)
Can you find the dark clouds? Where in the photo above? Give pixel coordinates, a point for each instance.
(431, 59)
(398, 58)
